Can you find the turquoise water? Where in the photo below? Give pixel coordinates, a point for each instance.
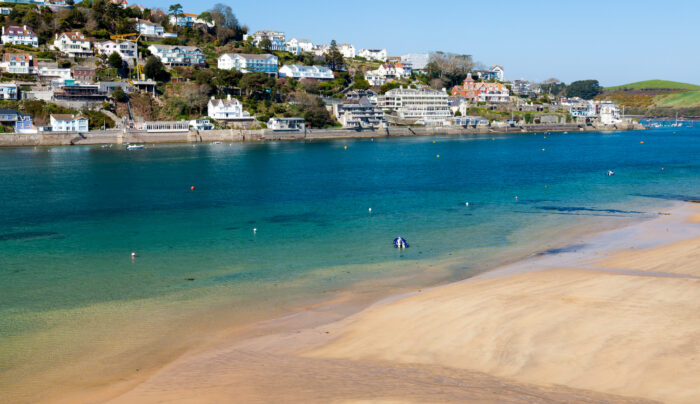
(71, 216)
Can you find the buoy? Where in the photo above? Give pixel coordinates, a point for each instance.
(133, 255)
(255, 231)
(346, 147)
(466, 203)
(192, 188)
(642, 142)
(516, 196)
(370, 210)
(542, 149)
(438, 156)
(433, 141)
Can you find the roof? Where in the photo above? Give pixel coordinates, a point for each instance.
(18, 57)
(74, 36)
(190, 15)
(251, 55)
(171, 47)
(228, 102)
(15, 30)
(67, 117)
(8, 112)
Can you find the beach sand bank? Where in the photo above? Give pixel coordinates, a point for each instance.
(612, 320)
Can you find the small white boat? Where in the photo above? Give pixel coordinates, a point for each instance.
(610, 173)
(217, 142)
(135, 147)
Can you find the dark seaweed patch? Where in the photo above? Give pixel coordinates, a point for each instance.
(554, 251)
(306, 217)
(26, 235)
(582, 209)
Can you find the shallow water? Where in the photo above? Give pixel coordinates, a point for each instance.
(71, 216)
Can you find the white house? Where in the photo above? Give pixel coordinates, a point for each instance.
(417, 61)
(229, 109)
(52, 70)
(69, 123)
(347, 50)
(286, 124)
(359, 113)
(387, 72)
(148, 28)
(247, 63)
(320, 50)
(19, 36)
(495, 72)
(125, 49)
(609, 113)
(18, 63)
(9, 91)
(73, 44)
(189, 20)
(306, 72)
(421, 105)
(299, 45)
(373, 54)
(277, 39)
(176, 55)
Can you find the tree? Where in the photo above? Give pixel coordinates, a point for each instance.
(175, 10)
(155, 70)
(256, 84)
(334, 59)
(227, 27)
(451, 68)
(313, 110)
(115, 60)
(359, 82)
(119, 95)
(265, 44)
(586, 89)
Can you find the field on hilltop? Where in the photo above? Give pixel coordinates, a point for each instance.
(656, 98)
(656, 85)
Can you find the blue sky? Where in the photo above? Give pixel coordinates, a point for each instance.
(614, 41)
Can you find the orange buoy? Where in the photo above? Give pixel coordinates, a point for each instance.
(192, 188)
(642, 142)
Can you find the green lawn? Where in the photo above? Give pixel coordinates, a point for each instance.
(685, 99)
(656, 84)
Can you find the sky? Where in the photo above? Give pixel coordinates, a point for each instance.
(613, 41)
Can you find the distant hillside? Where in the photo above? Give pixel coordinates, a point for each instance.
(656, 85)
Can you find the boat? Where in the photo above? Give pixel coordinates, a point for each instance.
(135, 147)
(610, 173)
(217, 142)
(400, 242)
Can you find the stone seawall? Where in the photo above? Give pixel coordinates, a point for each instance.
(239, 135)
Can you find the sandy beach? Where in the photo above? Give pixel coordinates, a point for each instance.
(612, 320)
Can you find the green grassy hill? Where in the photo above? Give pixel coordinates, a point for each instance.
(656, 84)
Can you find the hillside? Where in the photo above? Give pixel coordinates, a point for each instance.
(656, 85)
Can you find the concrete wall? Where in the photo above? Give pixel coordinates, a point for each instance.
(237, 135)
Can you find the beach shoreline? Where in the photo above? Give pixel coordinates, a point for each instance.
(307, 334)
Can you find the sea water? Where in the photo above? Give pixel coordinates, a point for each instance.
(70, 217)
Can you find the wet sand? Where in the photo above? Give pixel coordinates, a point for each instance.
(612, 320)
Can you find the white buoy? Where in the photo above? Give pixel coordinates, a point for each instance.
(255, 231)
(133, 255)
(466, 203)
(370, 210)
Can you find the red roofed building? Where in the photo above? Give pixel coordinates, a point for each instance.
(19, 63)
(19, 36)
(480, 91)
